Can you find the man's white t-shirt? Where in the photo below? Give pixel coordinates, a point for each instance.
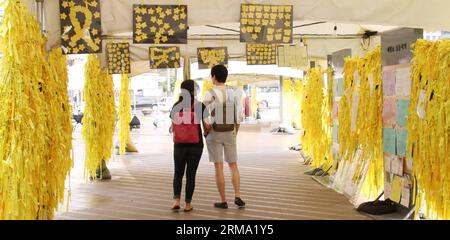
(214, 99)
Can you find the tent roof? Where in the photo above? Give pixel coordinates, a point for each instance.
(430, 14)
(216, 22)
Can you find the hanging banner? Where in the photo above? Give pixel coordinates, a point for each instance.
(396, 45)
(118, 57)
(80, 26)
(164, 57)
(266, 23)
(294, 56)
(160, 24)
(261, 54)
(210, 57)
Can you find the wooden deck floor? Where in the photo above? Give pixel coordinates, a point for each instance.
(273, 185)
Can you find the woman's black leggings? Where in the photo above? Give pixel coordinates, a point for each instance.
(186, 158)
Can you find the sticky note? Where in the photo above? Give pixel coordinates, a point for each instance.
(335, 110)
(401, 137)
(388, 82)
(389, 109)
(396, 189)
(397, 166)
(402, 112)
(389, 140)
(340, 87)
(403, 82)
(335, 134)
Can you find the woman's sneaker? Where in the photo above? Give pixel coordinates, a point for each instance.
(222, 205)
(239, 202)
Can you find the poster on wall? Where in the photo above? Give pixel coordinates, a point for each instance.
(118, 57)
(261, 54)
(209, 57)
(266, 23)
(396, 45)
(160, 24)
(294, 56)
(80, 26)
(164, 57)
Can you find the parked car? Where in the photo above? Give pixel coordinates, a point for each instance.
(144, 102)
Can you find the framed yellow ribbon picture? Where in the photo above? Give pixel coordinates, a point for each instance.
(80, 26)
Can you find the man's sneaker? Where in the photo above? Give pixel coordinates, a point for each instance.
(221, 205)
(239, 202)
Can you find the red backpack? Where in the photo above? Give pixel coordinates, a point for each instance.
(185, 130)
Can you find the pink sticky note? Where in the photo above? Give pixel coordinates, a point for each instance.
(335, 110)
(389, 110)
(389, 82)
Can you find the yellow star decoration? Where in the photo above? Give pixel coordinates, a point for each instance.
(63, 16)
(212, 56)
(65, 4)
(255, 18)
(164, 57)
(261, 54)
(97, 15)
(118, 58)
(160, 23)
(94, 31)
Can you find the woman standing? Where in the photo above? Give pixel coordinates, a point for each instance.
(187, 114)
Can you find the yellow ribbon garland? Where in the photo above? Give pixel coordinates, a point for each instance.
(429, 136)
(316, 119)
(360, 123)
(99, 117)
(124, 113)
(35, 120)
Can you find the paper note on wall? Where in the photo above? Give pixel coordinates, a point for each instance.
(389, 140)
(396, 189)
(387, 186)
(403, 82)
(340, 87)
(335, 110)
(402, 136)
(389, 116)
(397, 166)
(406, 193)
(388, 82)
(402, 112)
(422, 104)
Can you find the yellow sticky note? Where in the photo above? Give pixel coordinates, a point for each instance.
(397, 187)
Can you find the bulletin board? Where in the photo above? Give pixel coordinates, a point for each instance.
(396, 55)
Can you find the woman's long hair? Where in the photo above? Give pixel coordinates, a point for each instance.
(191, 87)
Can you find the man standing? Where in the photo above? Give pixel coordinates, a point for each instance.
(225, 108)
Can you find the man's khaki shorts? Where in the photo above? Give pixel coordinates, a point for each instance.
(221, 144)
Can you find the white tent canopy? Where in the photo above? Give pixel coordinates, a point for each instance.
(314, 19)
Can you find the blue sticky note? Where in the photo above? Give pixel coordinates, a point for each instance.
(402, 136)
(340, 89)
(389, 140)
(402, 112)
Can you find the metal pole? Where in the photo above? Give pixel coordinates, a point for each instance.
(281, 101)
(39, 5)
(134, 101)
(169, 89)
